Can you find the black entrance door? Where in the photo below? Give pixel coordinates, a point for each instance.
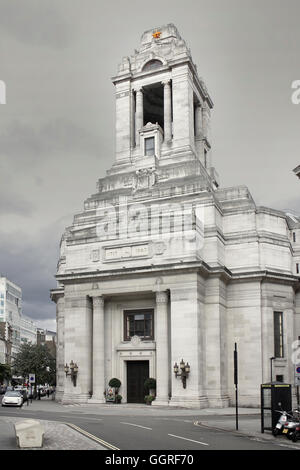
(137, 373)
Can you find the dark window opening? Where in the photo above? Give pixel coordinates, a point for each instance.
(278, 334)
(279, 378)
(297, 268)
(154, 104)
(195, 117)
(294, 237)
(139, 323)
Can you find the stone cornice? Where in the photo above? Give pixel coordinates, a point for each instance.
(297, 171)
(166, 68)
(194, 266)
(56, 293)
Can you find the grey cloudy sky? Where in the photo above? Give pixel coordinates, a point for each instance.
(57, 128)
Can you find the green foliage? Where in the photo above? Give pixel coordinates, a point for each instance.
(5, 372)
(119, 398)
(35, 359)
(150, 384)
(114, 383)
(149, 398)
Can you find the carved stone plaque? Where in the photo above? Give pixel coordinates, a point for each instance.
(133, 251)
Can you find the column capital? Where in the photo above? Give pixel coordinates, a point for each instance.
(162, 297)
(138, 89)
(205, 107)
(166, 82)
(98, 301)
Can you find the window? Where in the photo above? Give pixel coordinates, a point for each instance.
(279, 378)
(278, 334)
(294, 237)
(297, 268)
(150, 146)
(138, 323)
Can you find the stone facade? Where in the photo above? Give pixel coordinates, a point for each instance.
(23, 328)
(161, 243)
(5, 342)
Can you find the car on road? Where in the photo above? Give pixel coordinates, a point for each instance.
(12, 398)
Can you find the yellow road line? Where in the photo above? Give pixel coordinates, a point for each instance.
(91, 436)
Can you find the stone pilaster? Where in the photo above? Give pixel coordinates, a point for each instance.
(98, 350)
(162, 354)
(139, 114)
(187, 328)
(216, 344)
(123, 122)
(167, 111)
(60, 350)
(78, 347)
(199, 132)
(198, 121)
(132, 118)
(206, 121)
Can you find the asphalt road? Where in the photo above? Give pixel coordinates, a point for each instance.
(130, 432)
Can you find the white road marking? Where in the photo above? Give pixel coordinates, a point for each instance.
(137, 425)
(186, 439)
(81, 417)
(289, 446)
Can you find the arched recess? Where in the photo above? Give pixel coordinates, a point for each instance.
(152, 65)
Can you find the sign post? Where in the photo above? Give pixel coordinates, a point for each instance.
(235, 361)
(31, 379)
(297, 381)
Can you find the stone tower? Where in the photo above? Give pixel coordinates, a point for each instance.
(162, 109)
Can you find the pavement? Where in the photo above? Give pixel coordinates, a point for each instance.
(60, 436)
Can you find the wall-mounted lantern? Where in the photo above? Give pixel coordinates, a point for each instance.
(185, 370)
(73, 371)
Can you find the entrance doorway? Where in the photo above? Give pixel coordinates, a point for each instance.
(137, 373)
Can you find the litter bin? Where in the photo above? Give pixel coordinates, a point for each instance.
(275, 396)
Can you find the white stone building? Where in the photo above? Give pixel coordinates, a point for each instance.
(163, 264)
(23, 328)
(5, 343)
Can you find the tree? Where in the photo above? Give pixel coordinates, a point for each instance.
(35, 359)
(5, 372)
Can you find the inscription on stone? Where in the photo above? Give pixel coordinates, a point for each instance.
(126, 252)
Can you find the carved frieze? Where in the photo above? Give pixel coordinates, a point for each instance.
(144, 178)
